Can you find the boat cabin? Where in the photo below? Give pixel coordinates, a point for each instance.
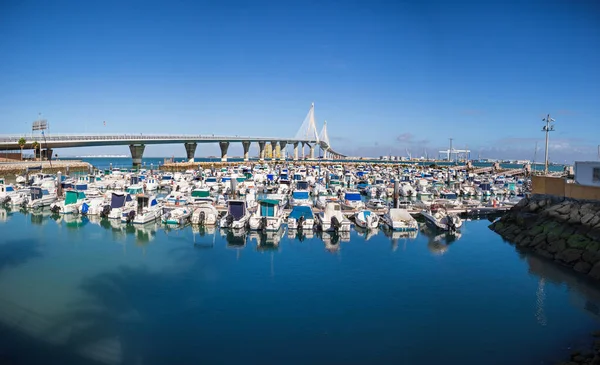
(269, 207)
(73, 196)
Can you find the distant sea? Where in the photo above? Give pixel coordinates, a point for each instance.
(103, 163)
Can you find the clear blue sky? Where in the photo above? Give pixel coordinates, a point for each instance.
(387, 75)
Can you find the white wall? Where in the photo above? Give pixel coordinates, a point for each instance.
(584, 173)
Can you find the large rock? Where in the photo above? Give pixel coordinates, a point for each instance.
(595, 271)
(535, 231)
(569, 255)
(578, 241)
(540, 251)
(538, 240)
(557, 246)
(574, 217)
(590, 257)
(592, 222)
(564, 208)
(587, 218)
(582, 267)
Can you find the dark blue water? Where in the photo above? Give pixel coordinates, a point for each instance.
(154, 162)
(80, 291)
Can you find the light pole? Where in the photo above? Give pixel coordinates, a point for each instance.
(547, 128)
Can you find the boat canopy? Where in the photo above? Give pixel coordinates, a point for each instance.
(302, 185)
(72, 196)
(236, 208)
(9, 188)
(81, 186)
(352, 196)
(301, 211)
(300, 194)
(135, 190)
(267, 207)
(117, 200)
(199, 193)
(211, 179)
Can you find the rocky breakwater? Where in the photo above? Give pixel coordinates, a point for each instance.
(564, 230)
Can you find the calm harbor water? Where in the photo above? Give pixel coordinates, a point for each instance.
(75, 290)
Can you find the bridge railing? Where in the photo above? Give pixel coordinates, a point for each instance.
(140, 137)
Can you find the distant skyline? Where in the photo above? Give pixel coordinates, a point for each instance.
(388, 76)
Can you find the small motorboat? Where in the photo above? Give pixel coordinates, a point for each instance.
(302, 218)
(366, 219)
(400, 220)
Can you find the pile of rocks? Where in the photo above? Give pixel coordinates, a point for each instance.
(565, 230)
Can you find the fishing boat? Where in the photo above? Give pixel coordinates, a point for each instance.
(147, 210)
(332, 219)
(205, 214)
(40, 197)
(201, 196)
(93, 207)
(176, 216)
(151, 184)
(119, 203)
(398, 219)
(352, 200)
(72, 203)
(237, 215)
(366, 219)
(301, 195)
(441, 219)
(301, 217)
(268, 216)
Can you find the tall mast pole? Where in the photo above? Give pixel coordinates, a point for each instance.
(547, 128)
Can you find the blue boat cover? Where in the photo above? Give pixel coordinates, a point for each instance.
(300, 194)
(301, 211)
(352, 196)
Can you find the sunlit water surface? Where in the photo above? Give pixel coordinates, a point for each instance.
(85, 291)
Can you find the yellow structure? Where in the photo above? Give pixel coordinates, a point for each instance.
(560, 187)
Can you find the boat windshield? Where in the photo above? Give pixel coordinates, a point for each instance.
(352, 196)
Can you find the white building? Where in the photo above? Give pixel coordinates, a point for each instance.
(587, 173)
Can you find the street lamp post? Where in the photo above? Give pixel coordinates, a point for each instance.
(547, 128)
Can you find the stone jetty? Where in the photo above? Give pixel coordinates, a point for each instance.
(564, 230)
(19, 168)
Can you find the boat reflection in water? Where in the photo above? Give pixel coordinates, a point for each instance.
(397, 236)
(144, 233)
(332, 240)
(5, 213)
(438, 243)
(236, 238)
(367, 234)
(300, 234)
(267, 240)
(203, 231)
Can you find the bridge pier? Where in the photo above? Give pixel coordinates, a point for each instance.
(295, 151)
(246, 145)
(274, 150)
(47, 153)
(261, 151)
(137, 151)
(224, 147)
(282, 154)
(312, 152)
(190, 150)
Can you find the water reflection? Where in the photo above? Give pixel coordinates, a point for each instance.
(396, 237)
(438, 242)
(267, 240)
(367, 234)
(5, 213)
(300, 234)
(236, 238)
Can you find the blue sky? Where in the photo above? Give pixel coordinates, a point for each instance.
(386, 75)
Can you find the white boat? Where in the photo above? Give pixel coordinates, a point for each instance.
(366, 219)
(151, 184)
(178, 216)
(237, 215)
(301, 195)
(302, 218)
(7, 192)
(39, 197)
(119, 203)
(147, 210)
(93, 207)
(332, 219)
(201, 196)
(176, 198)
(72, 203)
(352, 200)
(268, 216)
(205, 215)
(376, 204)
(439, 218)
(400, 220)
(19, 198)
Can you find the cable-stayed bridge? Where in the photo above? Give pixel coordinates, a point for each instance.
(306, 136)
